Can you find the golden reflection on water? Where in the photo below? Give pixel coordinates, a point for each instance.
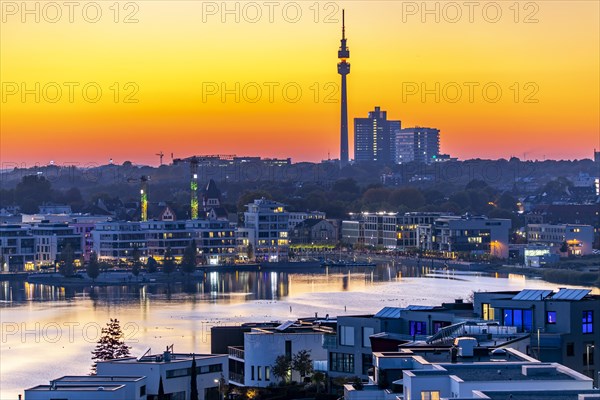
(50, 331)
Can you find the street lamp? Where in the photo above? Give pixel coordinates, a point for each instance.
(220, 394)
(587, 353)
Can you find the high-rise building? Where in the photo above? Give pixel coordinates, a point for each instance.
(343, 69)
(373, 137)
(416, 144)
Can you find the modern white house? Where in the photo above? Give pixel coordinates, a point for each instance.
(251, 364)
(175, 371)
(132, 378)
(89, 387)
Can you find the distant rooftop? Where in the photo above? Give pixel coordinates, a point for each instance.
(96, 378)
(160, 359)
(441, 355)
(77, 388)
(509, 372)
(541, 395)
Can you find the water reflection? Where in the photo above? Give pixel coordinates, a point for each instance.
(183, 313)
(228, 286)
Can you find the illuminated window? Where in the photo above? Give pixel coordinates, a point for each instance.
(430, 395)
(488, 311)
(587, 325)
(551, 317)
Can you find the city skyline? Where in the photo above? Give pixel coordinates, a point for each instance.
(176, 76)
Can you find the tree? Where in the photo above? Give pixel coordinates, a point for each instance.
(151, 265)
(318, 378)
(135, 270)
(281, 368)
(188, 262)
(302, 363)
(250, 252)
(93, 267)
(168, 262)
(564, 247)
(31, 192)
(135, 256)
(111, 344)
(66, 260)
(194, 382)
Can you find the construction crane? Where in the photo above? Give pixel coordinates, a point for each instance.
(193, 161)
(160, 156)
(143, 180)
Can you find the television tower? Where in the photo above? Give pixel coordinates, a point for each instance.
(343, 68)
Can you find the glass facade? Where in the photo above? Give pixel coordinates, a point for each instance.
(522, 319)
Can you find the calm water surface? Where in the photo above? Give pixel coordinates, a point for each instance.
(48, 331)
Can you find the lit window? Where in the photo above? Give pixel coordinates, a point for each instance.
(430, 395)
(587, 322)
(551, 317)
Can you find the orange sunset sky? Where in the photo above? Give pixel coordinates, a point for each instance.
(161, 67)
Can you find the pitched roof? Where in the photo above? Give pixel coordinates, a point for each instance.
(211, 191)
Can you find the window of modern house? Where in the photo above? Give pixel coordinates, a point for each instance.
(551, 317)
(417, 328)
(430, 395)
(347, 335)
(587, 325)
(366, 332)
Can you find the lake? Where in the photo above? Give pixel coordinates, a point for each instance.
(49, 331)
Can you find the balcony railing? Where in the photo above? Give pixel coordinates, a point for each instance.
(237, 352)
(237, 378)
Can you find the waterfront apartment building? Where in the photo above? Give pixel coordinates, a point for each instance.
(416, 145)
(28, 247)
(564, 325)
(390, 230)
(448, 235)
(17, 248)
(269, 222)
(314, 232)
(51, 239)
(215, 240)
(117, 240)
(294, 218)
(373, 138)
(454, 236)
(574, 238)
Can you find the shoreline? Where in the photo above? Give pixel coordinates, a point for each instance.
(125, 278)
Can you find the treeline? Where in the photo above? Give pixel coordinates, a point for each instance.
(337, 200)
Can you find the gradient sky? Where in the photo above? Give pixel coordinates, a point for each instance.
(177, 50)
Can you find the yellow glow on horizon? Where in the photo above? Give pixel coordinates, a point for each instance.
(182, 80)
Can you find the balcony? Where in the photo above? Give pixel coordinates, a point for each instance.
(236, 378)
(236, 352)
